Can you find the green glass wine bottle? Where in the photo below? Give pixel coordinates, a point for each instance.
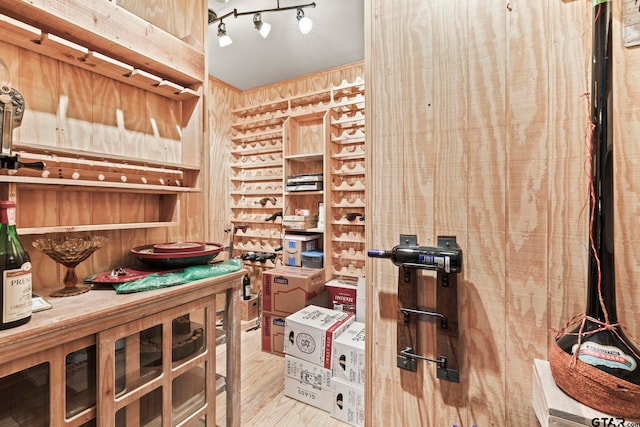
(15, 295)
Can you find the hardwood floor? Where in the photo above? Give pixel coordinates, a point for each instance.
(263, 401)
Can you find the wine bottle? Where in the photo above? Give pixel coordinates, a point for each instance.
(246, 287)
(15, 307)
(448, 260)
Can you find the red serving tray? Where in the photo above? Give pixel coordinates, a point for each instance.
(128, 275)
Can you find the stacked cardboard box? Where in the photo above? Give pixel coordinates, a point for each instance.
(309, 336)
(342, 294)
(285, 290)
(347, 381)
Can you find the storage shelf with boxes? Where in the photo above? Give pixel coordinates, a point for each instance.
(296, 244)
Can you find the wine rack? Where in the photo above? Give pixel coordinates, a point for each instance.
(346, 171)
(314, 132)
(256, 183)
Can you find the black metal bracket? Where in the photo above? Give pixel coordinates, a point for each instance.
(446, 311)
(409, 311)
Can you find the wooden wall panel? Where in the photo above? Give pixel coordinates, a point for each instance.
(569, 117)
(39, 84)
(394, 184)
(526, 202)
(304, 84)
(484, 256)
(506, 122)
(163, 14)
(105, 132)
(221, 99)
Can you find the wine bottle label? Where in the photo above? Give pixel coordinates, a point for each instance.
(605, 355)
(17, 293)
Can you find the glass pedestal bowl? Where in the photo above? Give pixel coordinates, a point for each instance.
(70, 251)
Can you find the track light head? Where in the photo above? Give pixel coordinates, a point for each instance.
(264, 28)
(305, 24)
(223, 38)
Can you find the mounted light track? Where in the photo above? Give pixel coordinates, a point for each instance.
(304, 23)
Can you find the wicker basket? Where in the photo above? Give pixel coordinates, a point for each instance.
(594, 387)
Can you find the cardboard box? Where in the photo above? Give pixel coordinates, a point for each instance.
(249, 308)
(307, 382)
(286, 290)
(347, 402)
(295, 244)
(361, 300)
(309, 333)
(272, 326)
(348, 354)
(342, 295)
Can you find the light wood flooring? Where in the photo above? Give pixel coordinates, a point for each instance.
(262, 391)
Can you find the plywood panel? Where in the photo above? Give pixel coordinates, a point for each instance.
(303, 84)
(516, 147)
(485, 252)
(75, 107)
(568, 175)
(106, 107)
(218, 158)
(39, 83)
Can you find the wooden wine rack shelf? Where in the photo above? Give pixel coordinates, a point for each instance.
(320, 131)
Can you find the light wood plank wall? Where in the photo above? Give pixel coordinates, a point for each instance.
(221, 101)
(72, 108)
(475, 128)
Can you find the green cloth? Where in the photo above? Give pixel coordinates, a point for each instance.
(189, 274)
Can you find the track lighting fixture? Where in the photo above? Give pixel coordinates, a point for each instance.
(264, 28)
(305, 24)
(223, 38)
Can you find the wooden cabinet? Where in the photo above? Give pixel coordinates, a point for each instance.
(136, 359)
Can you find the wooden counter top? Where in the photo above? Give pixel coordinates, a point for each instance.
(100, 309)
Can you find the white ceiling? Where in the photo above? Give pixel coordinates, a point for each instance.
(337, 38)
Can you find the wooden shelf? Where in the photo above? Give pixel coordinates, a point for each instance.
(110, 39)
(320, 131)
(81, 169)
(33, 182)
(310, 157)
(93, 227)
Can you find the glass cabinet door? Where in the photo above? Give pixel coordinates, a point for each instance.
(51, 387)
(158, 368)
(80, 376)
(25, 397)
